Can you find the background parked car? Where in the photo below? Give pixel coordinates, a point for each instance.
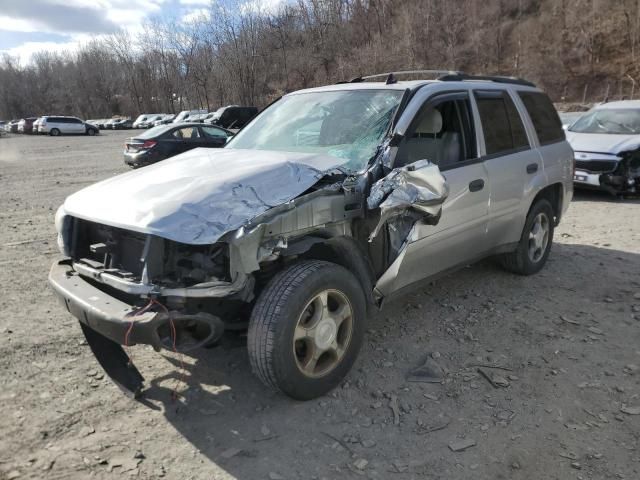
(165, 120)
(12, 126)
(232, 116)
(606, 144)
(165, 141)
(144, 118)
(186, 115)
(55, 126)
(121, 124)
(26, 125)
(150, 121)
(36, 125)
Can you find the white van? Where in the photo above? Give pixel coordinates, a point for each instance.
(59, 125)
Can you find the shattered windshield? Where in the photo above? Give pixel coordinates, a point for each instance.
(347, 125)
(620, 121)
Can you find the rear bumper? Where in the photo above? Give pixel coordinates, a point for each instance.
(139, 159)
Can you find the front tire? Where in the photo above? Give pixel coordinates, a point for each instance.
(54, 132)
(535, 242)
(306, 329)
(91, 132)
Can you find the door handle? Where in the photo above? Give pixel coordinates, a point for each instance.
(476, 185)
(532, 168)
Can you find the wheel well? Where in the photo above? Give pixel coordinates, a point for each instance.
(554, 195)
(346, 251)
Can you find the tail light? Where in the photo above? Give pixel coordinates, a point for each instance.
(148, 144)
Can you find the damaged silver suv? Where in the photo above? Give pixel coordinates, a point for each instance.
(327, 204)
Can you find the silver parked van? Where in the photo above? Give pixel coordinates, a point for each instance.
(327, 204)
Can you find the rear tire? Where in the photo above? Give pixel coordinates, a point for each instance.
(535, 242)
(306, 329)
(54, 132)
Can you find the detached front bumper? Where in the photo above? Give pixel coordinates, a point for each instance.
(102, 319)
(108, 323)
(103, 313)
(119, 321)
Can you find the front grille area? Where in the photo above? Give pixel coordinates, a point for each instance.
(120, 249)
(597, 166)
(120, 252)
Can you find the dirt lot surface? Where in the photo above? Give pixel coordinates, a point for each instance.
(566, 404)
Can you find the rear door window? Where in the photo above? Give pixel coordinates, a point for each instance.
(503, 129)
(544, 117)
(187, 133)
(213, 132)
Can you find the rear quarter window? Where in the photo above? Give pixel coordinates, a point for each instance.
(503, 129)
(544, 117)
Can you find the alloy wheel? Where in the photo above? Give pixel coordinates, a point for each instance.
(538, 237)
(322, 333)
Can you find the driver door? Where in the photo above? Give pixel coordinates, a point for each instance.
(443, 132)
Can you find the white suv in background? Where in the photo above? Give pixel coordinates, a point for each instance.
(59, 125)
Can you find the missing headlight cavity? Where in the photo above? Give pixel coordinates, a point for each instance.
(625, 179)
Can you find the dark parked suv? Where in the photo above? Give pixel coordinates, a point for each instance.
(329, 203)
(233, 117)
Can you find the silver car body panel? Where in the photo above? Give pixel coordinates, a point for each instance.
(198, 196)
(475, 223)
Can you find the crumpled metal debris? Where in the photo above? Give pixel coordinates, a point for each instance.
(418, 188)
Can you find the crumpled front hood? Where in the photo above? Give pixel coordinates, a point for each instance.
(198, 196)
(602, 143)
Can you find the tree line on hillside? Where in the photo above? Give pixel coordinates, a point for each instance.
(237, 53)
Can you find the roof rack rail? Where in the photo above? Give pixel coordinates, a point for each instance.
(412, 72)
(390, 76)
(444, 76)
(460, 77)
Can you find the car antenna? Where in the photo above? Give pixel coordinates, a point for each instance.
(391, 79)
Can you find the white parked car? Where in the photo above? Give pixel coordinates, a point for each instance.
(141, 119)
(165, 120)
(55, 126)
(606, 142)
(186, 115)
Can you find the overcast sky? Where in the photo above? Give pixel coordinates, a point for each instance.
(28, 26)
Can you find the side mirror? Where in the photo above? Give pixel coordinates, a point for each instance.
(396, 139)
(417, 190)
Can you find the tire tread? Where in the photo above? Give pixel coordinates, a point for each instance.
(260, 337)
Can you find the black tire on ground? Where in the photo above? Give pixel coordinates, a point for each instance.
(520, 261)
(270, 343)
(91, 132)
(54, 132)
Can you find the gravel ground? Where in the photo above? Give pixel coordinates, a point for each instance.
(566, 405)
